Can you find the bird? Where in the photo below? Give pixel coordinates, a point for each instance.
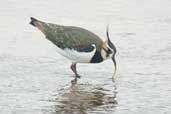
(77, 44)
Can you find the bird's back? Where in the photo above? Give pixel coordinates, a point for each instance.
(70, 36)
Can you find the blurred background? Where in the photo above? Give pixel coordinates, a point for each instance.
(35, 79)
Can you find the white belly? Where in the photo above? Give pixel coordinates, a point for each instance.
(77, 57)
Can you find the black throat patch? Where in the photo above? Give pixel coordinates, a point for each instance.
(97, 58)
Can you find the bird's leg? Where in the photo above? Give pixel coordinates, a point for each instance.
(73, 68)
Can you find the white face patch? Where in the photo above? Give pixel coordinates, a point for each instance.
(77, 57)
(104, 54)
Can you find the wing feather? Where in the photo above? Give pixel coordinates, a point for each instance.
(71, 37)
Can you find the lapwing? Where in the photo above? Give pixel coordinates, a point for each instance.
(77, 44)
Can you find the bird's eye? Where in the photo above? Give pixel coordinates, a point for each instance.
(109, 51)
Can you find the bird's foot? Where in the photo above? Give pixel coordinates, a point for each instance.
(77, 76)
(74, 81)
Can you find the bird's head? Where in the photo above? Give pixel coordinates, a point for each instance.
(109, 50)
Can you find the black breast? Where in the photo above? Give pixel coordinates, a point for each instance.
(97, 58)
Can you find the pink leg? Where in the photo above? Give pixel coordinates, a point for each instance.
(74, 69)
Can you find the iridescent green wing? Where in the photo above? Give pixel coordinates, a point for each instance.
(71, 37)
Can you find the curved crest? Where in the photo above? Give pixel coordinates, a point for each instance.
(107, 32)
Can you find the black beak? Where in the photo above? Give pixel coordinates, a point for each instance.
(114, 49)
(115, 67)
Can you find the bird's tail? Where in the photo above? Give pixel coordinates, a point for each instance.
(38, 24)
(34, 22)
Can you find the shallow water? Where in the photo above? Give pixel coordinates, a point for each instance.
(35, 79)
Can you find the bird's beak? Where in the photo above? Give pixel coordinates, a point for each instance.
(115, 66)
(114, 49)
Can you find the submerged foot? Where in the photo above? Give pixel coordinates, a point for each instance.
(77, 76)
(74, 81)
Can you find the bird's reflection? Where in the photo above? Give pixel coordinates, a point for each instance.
(85, 98)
